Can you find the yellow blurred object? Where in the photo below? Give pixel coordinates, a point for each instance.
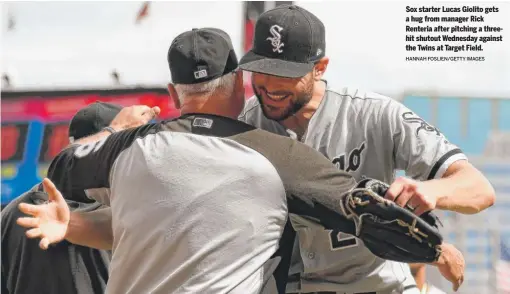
(9, 172)
(42, 171)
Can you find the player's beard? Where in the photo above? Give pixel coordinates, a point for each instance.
(302, 98)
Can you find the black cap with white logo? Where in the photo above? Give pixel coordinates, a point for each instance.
(201, 55)
(288, 41)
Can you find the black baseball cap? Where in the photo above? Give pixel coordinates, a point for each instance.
(288, 41)
(92, 119)
(201, 55)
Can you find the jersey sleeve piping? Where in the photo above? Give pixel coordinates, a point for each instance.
(444, 162)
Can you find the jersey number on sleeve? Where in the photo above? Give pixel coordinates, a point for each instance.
(340, 240)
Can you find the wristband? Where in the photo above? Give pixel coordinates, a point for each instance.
(109, 129)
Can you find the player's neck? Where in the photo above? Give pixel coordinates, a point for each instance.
(299, 121)
(208, 106)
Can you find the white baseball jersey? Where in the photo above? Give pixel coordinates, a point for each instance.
(364, 134)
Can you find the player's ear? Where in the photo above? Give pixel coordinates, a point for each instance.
(238, 105)
(320, 68)
(174, 96)
(239, 86)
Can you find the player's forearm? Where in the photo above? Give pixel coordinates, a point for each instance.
(92, 229)
(465, 190)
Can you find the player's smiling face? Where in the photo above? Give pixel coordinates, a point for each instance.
(282, 97)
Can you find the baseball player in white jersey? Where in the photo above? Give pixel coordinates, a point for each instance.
(363, 133)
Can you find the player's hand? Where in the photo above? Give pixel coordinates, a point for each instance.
(134, 116)
(408, 192)
(451, 265)
(49, 221)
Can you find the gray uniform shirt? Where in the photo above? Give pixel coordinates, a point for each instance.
(199, 203)
(365, 134)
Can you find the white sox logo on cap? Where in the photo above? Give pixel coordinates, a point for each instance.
(276, 41)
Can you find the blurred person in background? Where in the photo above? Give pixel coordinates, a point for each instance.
(65, 267)
(364, 134)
